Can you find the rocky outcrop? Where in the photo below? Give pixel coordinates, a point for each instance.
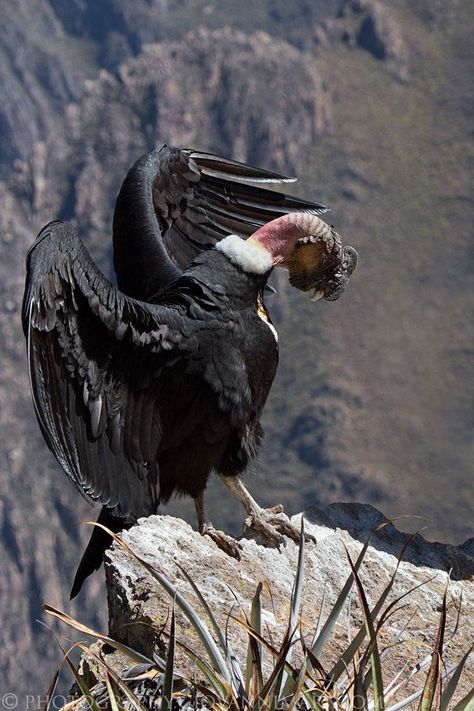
(207, 90)
(41, 70)
(372, 26)
(139, 607)
(361, 520)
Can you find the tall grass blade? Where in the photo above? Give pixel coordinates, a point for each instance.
(221, 687)
(299, 581)
(313, 663)
(268, 694)
(127, 651)
(287, 683)
(112, 698)
(433, 679)
(466, 703)
(86, 692)
(167, 702)
(377, 681)
(359, 691)
(406, 702)
(223, 641)
(254, 675)
(452, 684)
(328, 626)
(319, 622)
(44, 706)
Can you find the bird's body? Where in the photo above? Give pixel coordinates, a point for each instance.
(142, 391)
(215, 393)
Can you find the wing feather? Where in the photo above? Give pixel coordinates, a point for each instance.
(223, 197)
(177, 202)
(93, 355)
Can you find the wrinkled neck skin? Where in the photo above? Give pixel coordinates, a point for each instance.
(279, 236)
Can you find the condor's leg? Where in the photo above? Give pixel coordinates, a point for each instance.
(272, 523)
(226, 543)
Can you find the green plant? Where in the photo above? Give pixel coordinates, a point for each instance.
(354, 683)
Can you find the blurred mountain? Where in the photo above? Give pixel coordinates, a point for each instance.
(370, 103)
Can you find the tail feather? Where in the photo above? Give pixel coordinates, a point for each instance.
(94, 553)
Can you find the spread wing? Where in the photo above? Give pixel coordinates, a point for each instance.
(94, 356)
(184, 201)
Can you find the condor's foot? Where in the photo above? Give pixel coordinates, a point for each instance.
(271, 524)
(225, 542)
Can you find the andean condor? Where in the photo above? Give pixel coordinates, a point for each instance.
(142, 391)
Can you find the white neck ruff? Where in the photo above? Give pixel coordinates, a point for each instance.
(246, 255)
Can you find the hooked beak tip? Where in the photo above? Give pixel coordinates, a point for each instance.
(315, 294)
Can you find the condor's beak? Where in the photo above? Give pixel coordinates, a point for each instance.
(315, 294)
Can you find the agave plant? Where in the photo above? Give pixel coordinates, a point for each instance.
(355, 682)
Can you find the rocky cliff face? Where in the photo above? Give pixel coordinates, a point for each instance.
(369, 103)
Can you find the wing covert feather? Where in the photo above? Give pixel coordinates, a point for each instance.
(200, 198)
(92, 354)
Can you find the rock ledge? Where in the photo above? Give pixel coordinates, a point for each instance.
(138, 608)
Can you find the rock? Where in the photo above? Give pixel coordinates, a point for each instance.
(380, 34)
(370, 25)
(138, 606)
(362, 520)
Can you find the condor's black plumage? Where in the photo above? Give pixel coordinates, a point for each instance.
(141, 391)
(137, 400)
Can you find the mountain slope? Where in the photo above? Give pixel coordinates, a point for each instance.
(371, 107)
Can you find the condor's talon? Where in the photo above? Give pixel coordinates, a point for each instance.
(275, 509)
(226, 543)
(265, 526)
(274, 525)
(290, 531)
